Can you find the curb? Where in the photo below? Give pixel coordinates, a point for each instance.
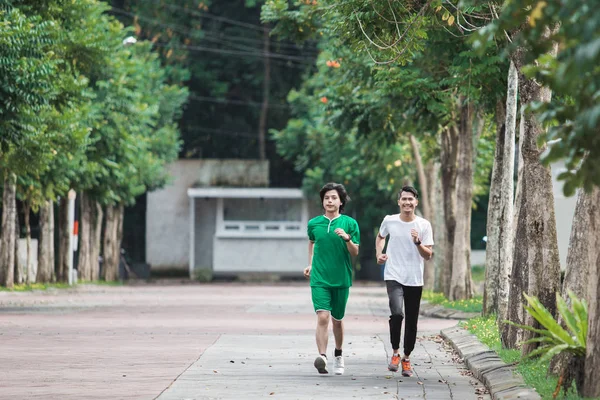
(437, 311)
(499, 378)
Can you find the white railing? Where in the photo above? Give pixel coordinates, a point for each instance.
(261, 229)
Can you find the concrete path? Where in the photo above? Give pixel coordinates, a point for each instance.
(211, 341)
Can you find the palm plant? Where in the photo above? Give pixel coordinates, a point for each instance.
(555, 339)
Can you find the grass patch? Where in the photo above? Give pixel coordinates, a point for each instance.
(471, 305)
(534, 372)
(35, 286)
(45, 286)
(478, 273)
(104, 283)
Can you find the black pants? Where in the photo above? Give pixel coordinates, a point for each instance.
(410, 296)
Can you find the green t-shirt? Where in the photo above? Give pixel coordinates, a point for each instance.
(331, 263)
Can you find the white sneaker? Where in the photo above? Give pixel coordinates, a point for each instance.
(321, 364)
(338, 366)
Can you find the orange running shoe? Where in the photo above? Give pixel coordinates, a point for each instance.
(394, 363)
(406, 368)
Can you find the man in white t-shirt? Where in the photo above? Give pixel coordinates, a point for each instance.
(411, 242)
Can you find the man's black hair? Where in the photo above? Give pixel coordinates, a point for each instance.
(341, 191)
(408, 189)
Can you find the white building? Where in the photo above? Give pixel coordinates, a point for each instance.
(219, 217)
(247, 230)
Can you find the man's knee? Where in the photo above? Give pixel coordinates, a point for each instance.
(397, 311)
(323, 317)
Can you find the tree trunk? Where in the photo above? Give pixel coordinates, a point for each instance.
(424, 197)
(64, 231)
(461, 282)
(19, 266)
(439, 227)
(45, 271)
(96, 243)
(591, 385)
(499, 248)
(425, 203)
(112, 242)
(536, 265)
(449, 155)
(9, 211)
(431, 174)
(84, 265)
(28, 261)
(262, 125)
(120, 218)
(578, 269)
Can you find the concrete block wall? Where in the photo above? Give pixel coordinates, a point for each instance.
(168, 209)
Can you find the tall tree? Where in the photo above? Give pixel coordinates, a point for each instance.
(29, 83)
(500, 210)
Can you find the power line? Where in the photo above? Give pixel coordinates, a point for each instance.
(299, 60)
(222, 51)
(220, 36)
(223, 132)
(188, 30)
(234, 102)
(218, 18)
(241, 46)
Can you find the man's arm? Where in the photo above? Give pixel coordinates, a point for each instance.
(425, 251)
(350, 245)
(379, 245)
(352, 248)
(311, 247)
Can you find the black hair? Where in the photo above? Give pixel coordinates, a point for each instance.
(408, 189)
(341, 191)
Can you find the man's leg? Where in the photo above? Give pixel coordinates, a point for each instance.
(322, 334)
(396, 297)
(321, 298)
(338, 310)
(412, 300)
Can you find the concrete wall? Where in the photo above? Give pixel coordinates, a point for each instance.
(33, 257)
(205, 228)
(564, 208)
(167, 214)
(286, 256)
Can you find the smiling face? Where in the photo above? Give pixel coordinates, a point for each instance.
(332, 201)
(407, 202)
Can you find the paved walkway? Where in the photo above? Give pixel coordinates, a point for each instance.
(213, 341)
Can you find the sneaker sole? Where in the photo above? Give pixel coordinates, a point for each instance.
(407, 374)
(321, 366)
(339, 372)
(392, 369)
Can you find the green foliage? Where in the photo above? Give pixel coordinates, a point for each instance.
(534, 370)
(217, 49)
(573, 115)
(555, 339)
(28, 79)
(353, 116)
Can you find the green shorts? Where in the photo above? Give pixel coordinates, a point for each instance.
(330, 299)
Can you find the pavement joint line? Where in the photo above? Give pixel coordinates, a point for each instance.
(463, 342)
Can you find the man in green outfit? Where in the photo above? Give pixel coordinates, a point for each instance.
(333, 239)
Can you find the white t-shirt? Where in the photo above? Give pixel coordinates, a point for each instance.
(404, 263)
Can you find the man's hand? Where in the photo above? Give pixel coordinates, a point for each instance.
(415, 235)
(341, 233)
(307, 272)
(381, 259)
